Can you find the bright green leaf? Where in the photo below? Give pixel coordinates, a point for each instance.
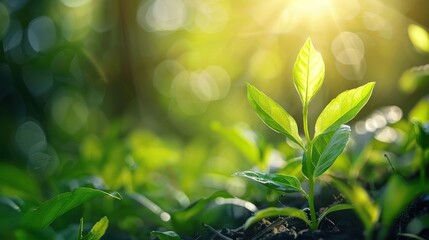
(414, 78)
(308, 72)
(332, 209)
(51, 209)
(168, 235)
(275, 181)
(324, 151)
(273, 114)
(98, 230)
(343, 108)
(274, 212)
(419, 37)
(420, 112)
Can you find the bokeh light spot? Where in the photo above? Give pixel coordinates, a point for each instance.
(211, 15)
(41, 34)
(392, 114)
(43, 162)
(349, 51)
(75, 3)
(387, 135)
(69, 112)
(186, 100)
(13, 36)
(29, 135)
(211, 84)
(162, 15)
(164, 75)
(265, 65)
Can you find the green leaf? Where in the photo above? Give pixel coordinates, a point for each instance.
(365, 208)
(273, 115)
(332, 209)
(308, 72)
(247, 141)
(274, 212)
(188, 221)
(398, 195)
(410, 236)
(422, 134)
(17, 182)
(420, 111)
(414, 78)
(80, 230)
(419, 37)
(279, 182)
(168, 235)
(324, 151)
(343, 108)
(51, 209)
(98, 230)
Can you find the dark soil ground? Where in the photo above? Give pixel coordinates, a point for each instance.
(341, 225)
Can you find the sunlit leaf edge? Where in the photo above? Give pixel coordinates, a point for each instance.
(289, 184)
(289, 127)
(275, 212)
(303, 67)
(41, 217)
(364, 93)
(338, 207)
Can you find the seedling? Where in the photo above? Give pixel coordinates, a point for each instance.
(328, 142)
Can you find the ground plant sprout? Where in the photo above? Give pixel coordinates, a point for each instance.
(321, 150)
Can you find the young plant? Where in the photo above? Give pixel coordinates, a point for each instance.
(328, 142)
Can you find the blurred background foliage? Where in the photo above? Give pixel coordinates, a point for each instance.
(148, 97)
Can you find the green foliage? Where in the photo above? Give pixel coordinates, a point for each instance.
(323, 152)
(185, 220)
(420, 112)
(167, 235)
(288, 184)
(330, 138)
(309, 72)
(343, 108)
(422, 134)
(108, 117)
(272, 114)
(367, 210)
(97, 230)
(419, 37)
(53, 208)
(399, 194)
(248, 142)
(16, 182)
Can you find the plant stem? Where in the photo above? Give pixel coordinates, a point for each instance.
(311, 179)
(311, 204)
(305, 121)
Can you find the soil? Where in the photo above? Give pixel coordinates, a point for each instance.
(287, 228)
(341, 225)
